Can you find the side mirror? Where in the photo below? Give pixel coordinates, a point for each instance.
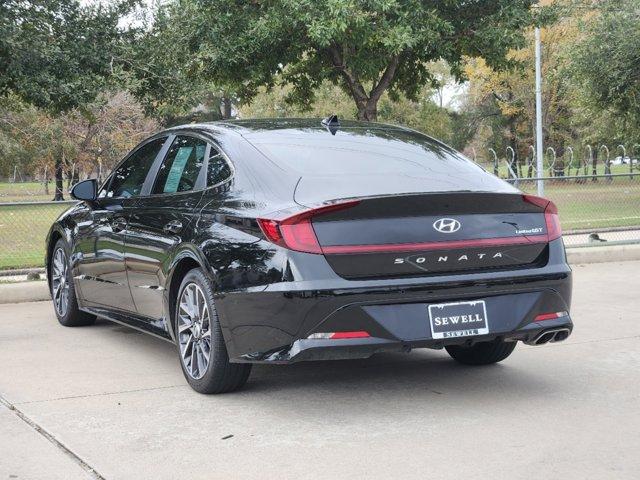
(86, 190)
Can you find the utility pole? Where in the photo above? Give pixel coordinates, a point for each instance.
(539, 145)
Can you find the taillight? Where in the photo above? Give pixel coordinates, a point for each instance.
(296, 232)
(551, 217)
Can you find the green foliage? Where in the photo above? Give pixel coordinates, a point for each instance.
(423, 114)
(607, 62)
(57, 54)
(367, 47)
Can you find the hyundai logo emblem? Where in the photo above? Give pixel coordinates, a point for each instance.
(447, 225)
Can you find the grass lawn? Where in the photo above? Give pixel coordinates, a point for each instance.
(594, 204)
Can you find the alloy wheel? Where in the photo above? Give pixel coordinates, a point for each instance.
(59, 282)
(194, 331)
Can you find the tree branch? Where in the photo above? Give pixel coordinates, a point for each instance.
(385, 79)
(355, 87)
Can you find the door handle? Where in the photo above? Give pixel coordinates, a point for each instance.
(118, 224)
(173, 227)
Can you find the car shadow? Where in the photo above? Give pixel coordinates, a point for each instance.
(420, 373)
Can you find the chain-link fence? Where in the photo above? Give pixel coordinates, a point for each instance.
(594, 209)
(23, 229)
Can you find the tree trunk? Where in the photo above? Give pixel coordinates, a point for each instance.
(46, 181)
(226, 108)
(368, 112)
(367, 104)
(59, 195)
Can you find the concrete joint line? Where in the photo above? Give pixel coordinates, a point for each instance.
(84, 465)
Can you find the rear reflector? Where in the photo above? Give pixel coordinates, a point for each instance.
(550, 316)
(338, 335)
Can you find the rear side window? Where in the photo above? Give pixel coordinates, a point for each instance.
(180, 169)
(218, 169)
(128, 178)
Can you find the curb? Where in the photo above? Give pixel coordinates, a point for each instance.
(20, 292)
(602, 254)
(38, 291)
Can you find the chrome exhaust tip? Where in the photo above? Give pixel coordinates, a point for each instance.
(560, 335)
(553, 335)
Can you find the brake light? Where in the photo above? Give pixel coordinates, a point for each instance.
(296, 232)
(551, 218)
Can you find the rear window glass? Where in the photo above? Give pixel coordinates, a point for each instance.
(358, 151)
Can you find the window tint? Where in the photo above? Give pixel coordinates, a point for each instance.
(180, 168)
(130, 175)
(218, 170)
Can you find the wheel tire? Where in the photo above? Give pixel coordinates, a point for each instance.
(220, 375)
(482, 353)
(68, 313)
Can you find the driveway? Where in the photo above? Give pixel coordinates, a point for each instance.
(108, 402)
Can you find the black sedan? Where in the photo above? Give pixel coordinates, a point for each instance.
(276, 241)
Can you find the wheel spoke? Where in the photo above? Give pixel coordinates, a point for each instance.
(206, 352)
(194, 361)
(185, 348)
(184, 327)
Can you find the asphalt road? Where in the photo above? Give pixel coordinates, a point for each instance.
(113, 400)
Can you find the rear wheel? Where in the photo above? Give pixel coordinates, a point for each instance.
(63, 292)
(481, 353)
(203, 354)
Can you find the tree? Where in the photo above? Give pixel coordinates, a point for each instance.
(503, 102)
(157, 71)
(57, 54)
(422, 114)
(98, 134)
(607, 61)
(366, 47)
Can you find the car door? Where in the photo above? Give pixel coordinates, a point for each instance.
(164, 219)
(100, 242)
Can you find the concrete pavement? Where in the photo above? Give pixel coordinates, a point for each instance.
(117, 401)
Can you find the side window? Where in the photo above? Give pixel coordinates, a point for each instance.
(219, 169)
(180, 168)
(129, 177)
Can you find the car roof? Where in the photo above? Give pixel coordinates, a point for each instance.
(282, 125)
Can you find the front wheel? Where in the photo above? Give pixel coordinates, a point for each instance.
(203, 354)
(481, 353)
(63, 292)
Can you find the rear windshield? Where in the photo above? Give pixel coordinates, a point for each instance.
(357, 151)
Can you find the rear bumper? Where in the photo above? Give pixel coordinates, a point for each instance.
(307, 350)
(272, 324)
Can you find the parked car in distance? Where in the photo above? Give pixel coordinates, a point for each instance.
(623, 161)
(278, 241)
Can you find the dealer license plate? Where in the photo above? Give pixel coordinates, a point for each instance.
(459, 319)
